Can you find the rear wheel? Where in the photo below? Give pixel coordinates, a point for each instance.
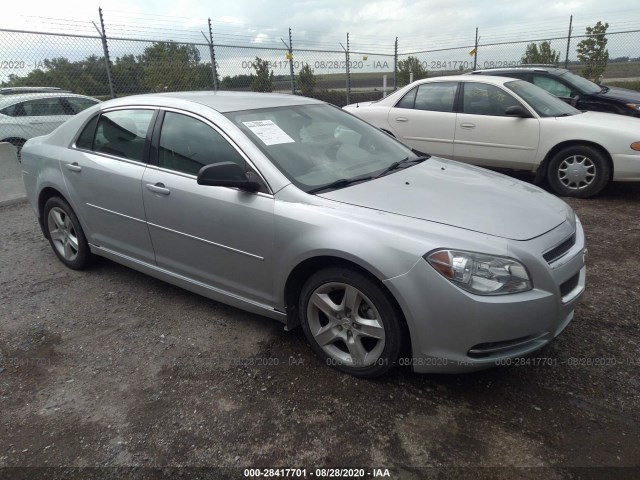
(350, 322)
(65, 234)
(580, 171)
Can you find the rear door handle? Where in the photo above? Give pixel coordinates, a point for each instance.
(402, 119)
(74, 167)
(467, 125)
(158, 188)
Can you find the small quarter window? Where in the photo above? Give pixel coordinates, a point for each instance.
(85, 140)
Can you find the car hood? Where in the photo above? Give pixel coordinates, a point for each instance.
(622, 94)
(462, 196)
(602, 121)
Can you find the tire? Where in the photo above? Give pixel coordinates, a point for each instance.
(366, 344)
(65, 234)
(579, 171)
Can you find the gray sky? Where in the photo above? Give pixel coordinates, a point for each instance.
(419, 24)
(434, 25)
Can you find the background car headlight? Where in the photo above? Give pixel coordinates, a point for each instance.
(481, 274)
(634, 106)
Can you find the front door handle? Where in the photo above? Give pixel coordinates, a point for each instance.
(402, 119)
(158, 188)
(74, 167)
(467, 125)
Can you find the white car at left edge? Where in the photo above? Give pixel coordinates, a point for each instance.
(501, 122)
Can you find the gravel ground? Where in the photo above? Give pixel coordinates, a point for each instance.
(112, 368)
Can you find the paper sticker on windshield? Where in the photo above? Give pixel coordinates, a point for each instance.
(269, 132)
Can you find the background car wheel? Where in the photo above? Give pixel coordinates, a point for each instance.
(65, 234)
(350, 322)
(578, 172)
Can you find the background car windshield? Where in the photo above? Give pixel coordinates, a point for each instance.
(581, 83)
(545, 104)
(314, 145)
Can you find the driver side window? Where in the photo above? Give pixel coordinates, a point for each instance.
(187, 145)
(485, 99)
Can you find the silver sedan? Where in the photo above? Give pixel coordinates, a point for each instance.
(296, 210)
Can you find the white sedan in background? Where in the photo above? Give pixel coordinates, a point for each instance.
(505, 123)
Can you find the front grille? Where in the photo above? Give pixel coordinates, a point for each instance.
(557, 252)
(567, 287)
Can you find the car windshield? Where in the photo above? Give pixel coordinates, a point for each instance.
(319, 145)
(545, 104)
(581, 83)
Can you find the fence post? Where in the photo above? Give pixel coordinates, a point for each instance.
(212, 54)
(348, 73)
(105, 49)
(475, 51)
(566, 58)
(395, 66)
(293, 77)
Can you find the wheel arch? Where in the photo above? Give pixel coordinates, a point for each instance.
(542, 169)
(303, 271)
(45, 194)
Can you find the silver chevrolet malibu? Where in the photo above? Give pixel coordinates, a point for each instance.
(296, 210)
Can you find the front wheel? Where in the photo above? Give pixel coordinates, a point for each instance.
(350, 322)
(580, 171)
(65, 234)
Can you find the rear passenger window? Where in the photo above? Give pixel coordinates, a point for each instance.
(122, 133)
(436, 97)
(187, 145)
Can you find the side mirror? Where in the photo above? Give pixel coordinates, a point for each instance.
(226, 174)
(574, 100)
(517, 111)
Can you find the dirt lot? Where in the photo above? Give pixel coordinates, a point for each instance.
(110, 367)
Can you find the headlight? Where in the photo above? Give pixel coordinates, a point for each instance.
(634, 106)
(481, 274)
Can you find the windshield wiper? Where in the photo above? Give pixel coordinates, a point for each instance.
(401, 164)
(340, 183)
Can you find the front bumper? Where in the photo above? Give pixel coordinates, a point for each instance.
(626, 167)
(455, 331)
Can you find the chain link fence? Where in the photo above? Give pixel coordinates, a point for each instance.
(101, 67)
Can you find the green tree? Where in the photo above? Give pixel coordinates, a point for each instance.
(127, 75)
(306, 80)
(263, 81)
(169, 66)
(405, 67)
(87, 77)
(593, 53)
(541, 54)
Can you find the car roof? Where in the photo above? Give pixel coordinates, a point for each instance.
(6, 100)
(493, 79)
(221, 101)
(522, 68)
